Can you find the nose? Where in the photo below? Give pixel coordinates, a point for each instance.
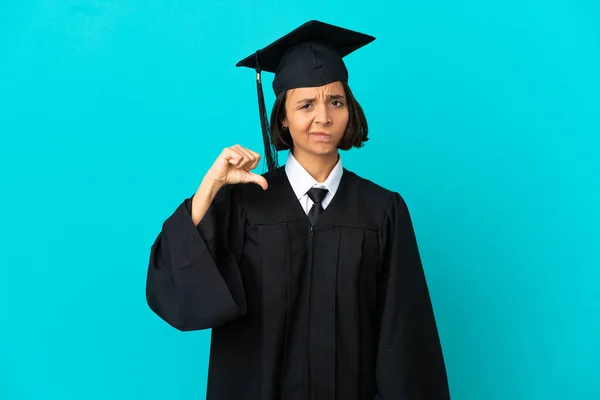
(323, 115)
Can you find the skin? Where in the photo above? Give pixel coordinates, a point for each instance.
(316, 118)
(309, 112)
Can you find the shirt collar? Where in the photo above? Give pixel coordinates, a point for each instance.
(301, 180)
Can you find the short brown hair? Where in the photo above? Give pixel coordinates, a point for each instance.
(356, 131)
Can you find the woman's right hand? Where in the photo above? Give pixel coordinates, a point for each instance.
(234, 165)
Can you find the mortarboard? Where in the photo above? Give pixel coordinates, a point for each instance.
(309, 56)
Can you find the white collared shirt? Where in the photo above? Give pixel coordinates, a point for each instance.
(301, 182)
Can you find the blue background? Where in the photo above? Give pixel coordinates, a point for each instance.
(484, 115)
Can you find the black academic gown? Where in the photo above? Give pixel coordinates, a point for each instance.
(340, 311)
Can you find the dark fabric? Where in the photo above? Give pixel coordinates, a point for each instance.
(341, 311)
(310, 55)
(317, 195)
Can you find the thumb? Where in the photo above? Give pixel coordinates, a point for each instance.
(258, 179)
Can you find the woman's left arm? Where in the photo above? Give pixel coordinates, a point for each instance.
(410, 363)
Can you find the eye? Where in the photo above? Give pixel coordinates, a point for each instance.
(338, 103)
(305, 106)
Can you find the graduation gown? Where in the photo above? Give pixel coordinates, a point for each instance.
(339, 311)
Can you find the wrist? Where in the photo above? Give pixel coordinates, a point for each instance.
(209, 187)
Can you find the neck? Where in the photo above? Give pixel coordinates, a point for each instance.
(318, 166)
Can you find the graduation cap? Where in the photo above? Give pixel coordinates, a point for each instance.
(309, 56)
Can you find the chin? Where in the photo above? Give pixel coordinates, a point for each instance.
(324, 150)
(318, 149)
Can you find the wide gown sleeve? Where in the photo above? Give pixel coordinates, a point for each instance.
(410, 363)
(193, 280)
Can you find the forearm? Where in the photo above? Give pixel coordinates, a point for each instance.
(203, 198)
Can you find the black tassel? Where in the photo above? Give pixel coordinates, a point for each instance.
(270, 151)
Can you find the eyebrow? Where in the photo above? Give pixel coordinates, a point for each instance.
(329, 97)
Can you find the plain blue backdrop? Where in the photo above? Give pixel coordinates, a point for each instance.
(484, 115)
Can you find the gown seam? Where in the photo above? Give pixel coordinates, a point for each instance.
(375, 229)
(287, 312)
(337, 269)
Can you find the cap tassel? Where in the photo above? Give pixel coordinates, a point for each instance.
(270, 151)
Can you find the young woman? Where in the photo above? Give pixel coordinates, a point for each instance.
(309, 275)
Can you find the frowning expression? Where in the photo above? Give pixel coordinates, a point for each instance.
(317, 118)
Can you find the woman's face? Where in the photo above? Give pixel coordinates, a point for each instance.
(316, 118)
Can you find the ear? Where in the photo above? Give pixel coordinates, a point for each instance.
(284, 122)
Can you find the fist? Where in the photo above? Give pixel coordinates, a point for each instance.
(234, 165)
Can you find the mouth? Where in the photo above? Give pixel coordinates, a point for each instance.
(321, 135)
